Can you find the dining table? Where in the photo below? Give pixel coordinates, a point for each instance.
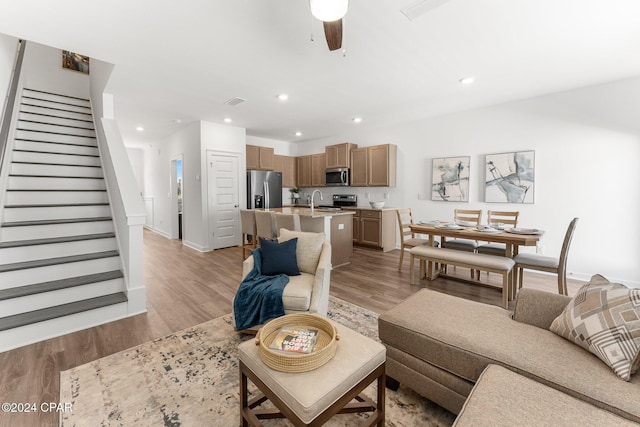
(512, 237)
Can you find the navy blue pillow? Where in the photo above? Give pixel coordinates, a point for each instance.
(279, 258)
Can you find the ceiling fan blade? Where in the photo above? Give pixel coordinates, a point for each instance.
(333, 34)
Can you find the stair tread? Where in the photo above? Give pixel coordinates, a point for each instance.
(54, 205)
(56, 261)
(55, 285)
(57, 94)
(52, 189)
(53, 124)
(54, 312)
(57, 102)
(55, 109)
(56, 221)
(52, 240)
(56, 133)
(57, 153)
(54, 176)
(56, 117)
(57, 142)
(21, 162)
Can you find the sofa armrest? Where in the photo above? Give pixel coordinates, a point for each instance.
(321, 282)
(247, 266)
(538, 308)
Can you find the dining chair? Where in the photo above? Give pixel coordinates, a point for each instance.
(470, 217)
(408, 238)
(249, 231)
(507, 218)
(265, 224)
(287, 221)
(546, 263)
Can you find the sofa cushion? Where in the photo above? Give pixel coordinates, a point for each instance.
(604, 318)
(308, 249)
(503, 398)
(463, 337)
(279, 258)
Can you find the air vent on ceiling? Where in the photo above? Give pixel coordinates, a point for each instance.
(234, 101)
(418, 9)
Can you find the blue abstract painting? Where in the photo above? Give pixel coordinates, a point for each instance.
(509, 177)
(450, 179)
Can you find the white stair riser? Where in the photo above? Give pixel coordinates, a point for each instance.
(12, 279)
(56, 98)
(36, 100)
(52, 137)
(23, 124)
(53, 197)
(55, 212)
(35, 252)
(55, 170)
(59, 159)
(48, 118)
(29, 334)
(30, 232)
(37, 183)
(62, 296)
(59, 113)
(48, 147)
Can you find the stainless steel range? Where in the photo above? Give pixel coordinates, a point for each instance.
(345, 200)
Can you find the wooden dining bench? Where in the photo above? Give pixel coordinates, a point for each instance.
(472, 260)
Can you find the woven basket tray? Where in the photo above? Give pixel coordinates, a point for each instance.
(324, 351)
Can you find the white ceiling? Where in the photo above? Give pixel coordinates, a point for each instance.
(184, 59)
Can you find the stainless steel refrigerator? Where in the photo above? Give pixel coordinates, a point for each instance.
(264, 190)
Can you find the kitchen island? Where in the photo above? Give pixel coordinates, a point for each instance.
(337, 225)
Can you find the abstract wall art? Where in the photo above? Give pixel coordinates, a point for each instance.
(75, 62)
(450, 181)
(509, 177)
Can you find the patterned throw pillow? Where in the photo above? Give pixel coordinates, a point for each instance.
(604, 318)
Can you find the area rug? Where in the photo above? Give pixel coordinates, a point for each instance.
(190, 378)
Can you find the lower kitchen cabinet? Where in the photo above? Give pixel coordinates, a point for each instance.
(375, 228)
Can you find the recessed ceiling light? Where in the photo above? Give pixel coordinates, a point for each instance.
(298, 133)
(283, 97)
(357, 119)
(177, 121)
(139, 128)
(467, 80)
(227, 120)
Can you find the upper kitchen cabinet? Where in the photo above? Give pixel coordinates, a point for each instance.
(259, 158)
(286, 165)
(318, 170)
(303, 166)
(339, 156)
(374, 166)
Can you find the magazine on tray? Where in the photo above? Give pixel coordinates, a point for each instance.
(295, 340)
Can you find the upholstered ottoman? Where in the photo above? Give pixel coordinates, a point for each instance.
(503, 398)
(311, 398)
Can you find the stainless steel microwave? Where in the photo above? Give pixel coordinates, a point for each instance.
(337, 177)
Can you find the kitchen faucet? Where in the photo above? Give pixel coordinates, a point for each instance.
(312, 196)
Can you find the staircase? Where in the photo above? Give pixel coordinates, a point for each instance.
(59, 260)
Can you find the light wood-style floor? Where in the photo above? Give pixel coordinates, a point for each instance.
(185, 288)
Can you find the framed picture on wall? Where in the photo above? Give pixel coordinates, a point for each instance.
(509, 177)
(75, 62)
(450, 181)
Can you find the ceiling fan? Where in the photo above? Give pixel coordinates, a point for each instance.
(330, 12)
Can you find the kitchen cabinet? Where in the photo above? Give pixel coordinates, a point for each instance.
(303, 166)
(375, 228)
(339, 155)
(318, 168)
(359, 161)
(286, 165)
(374, 166)
(259, 158)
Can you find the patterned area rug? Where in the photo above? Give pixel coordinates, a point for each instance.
(190, 378)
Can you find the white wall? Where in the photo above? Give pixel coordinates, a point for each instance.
(8, 50)
(586, 167)
(43, 71)
(191, 142)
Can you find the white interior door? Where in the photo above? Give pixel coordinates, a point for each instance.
(223, 189)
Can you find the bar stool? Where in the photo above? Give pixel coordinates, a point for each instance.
(249, 231)
(287, 221)
(265, 224)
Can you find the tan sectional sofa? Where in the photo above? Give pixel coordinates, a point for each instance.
(439, 346)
